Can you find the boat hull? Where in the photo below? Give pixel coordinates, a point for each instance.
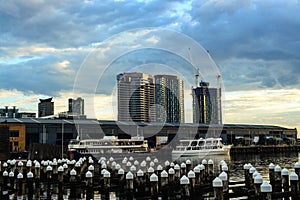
(202, 152)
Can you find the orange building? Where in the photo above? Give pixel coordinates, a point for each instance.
(16, 137)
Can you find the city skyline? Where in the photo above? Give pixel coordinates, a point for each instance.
(254, 43)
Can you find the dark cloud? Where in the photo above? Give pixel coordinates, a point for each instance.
(256, 43)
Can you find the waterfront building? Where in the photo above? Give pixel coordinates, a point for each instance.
(136, 97)
(45, 107)
(169, 97)
(76, 106)
(26, 115)
(16, 133)
(9, 112)
(52, 131)
(207, 104)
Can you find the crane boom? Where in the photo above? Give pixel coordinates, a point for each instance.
(195, 68)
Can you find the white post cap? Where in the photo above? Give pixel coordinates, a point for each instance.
(271, 166)
(294, 176)
(284, 172)
(140, 173)
(266, 187)
(191, 174)
(277, 168)
(258, 179)
(88, 174)
(223, 176)
(184, 180)
(217, 182)
(153, 178)
(129, 176)
(164, 174)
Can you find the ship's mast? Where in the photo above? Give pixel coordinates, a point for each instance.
(195, 69)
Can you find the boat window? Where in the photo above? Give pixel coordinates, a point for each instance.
(194, 143)
(201, 143)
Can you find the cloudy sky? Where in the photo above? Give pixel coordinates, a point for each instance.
(47, 46)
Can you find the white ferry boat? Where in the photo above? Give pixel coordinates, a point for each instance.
(108, 145)
(201, 147)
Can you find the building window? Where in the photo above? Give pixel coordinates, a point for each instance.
(14, 133)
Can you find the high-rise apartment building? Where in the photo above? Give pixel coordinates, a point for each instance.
(45, 107)
(207, 104)
(169, 97)
(136, 97)
(76, 106)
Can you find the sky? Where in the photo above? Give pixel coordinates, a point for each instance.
(70, 48)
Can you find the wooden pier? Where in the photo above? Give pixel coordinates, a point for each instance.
(264, 149)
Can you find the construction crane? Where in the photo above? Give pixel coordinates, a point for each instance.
(195, 68)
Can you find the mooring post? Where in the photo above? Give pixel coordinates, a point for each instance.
(20, 184)
(183, 169)
(177, 173)
(60, 177)
(297, 170)
(30, 185)
(171, 173)
(73, 183)
(55, 168)
(184, 183)
(257, 183)
(218, 188)
(159, 169)
(37, 173)
(89, 185)
(191, 176)
(188, 165)
(20, 167)
(224, 178)
(106, 177)
(140, 182)
(5, 185)
(294, 178)
(129, 185)
(154, 186)
(210, 165)
(252, 170)
(163, 189)
(148, 160)
(278, 182)
(222, 162)
(167, 165)
(285, 181)
(225, 168)
(246, 174)
(272, 174)
(202, 173)
(150, 171)
(266, 191)
(204, 163)
(197, 177)
(122, 181)
(11, 176)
